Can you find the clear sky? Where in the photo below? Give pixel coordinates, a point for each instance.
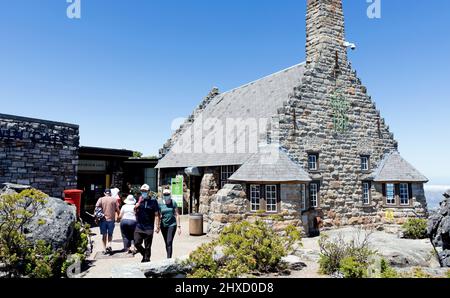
(126, 69)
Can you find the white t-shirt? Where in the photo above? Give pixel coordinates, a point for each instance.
(128, 212)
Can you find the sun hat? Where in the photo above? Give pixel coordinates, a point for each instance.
(145, 187)
(130, 200)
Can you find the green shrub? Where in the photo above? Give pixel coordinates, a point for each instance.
(24, 258)
(248, 248)
(415, 228)
(386, 271)
(351, 268)
(448, 274)
(351, 258)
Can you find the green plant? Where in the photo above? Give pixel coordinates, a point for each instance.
(16, 212)
(448, 274)
(351, 268)
(353, 256)
(248, 248)
(42, 261)
(415, 228)
(386, 271)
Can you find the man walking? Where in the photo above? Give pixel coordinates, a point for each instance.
(148, 217)
(110, 208)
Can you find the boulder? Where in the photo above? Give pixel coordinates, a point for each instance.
(293, 263)
(439, 229)
(166, 268)
(54, 222)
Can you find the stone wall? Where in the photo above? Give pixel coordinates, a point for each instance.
(231, 205)
(39, 153)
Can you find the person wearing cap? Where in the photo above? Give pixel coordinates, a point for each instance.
(148, 222)
(109, 209)
(170, 220)
(128, 223)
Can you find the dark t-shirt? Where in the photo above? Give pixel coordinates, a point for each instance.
(145, 214)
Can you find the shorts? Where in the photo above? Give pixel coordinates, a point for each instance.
(107, 227)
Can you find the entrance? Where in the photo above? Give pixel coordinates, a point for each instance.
(194, 197)
(93, 186)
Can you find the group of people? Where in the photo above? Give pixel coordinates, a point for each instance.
(139, 219)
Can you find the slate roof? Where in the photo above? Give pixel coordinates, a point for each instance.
(267, 166)
(260, 99)
(394, 168)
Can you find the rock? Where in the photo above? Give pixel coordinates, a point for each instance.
(399, 252)
(439, 229)
(218, 255)
(165, 268)
(54, 222)
(293, 262)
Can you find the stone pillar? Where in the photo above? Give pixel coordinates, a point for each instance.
(208, 188)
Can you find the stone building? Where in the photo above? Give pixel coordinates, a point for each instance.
(40, 153)
(306, 144)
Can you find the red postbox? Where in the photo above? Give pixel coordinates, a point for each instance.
(73, 197)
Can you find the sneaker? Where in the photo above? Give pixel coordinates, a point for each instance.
(109, 250)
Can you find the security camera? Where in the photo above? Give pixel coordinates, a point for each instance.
(350, 45)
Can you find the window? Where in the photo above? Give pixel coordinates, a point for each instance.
(271, 198)
(366, 193)
(313, 162)
(314, 194)
(390, 194)
(225, 173)
(364, 163)
(255, 197)
(303, 196)
(404, 194)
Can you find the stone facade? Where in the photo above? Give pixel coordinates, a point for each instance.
(311, 123)
(39, 153)
(231, 205)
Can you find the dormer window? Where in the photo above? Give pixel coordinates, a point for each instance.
(313, 162)
(365, 166)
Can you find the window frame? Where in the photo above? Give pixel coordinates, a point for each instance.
(408, 196)
(316, 162)
(316, 196)
(367, 163)
(366, 197)
(274, 191)
(394, 197)
(225, 173)
(303, 197)
(251, 192)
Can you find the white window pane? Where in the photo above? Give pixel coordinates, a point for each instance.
(390, 194)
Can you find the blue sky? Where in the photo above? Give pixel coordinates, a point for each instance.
(126, 69)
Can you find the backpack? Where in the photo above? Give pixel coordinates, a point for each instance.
(98, 214)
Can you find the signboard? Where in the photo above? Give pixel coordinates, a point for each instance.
(177, 190)
(91, 165)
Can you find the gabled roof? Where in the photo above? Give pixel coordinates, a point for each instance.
(258, 100)
(394, 168)
(270, 165)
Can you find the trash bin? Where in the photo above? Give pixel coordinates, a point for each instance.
(73, 197)
(196, 224)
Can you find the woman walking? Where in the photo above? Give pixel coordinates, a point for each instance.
(128, 223)
(170, 220)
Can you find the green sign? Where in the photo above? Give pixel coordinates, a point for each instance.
(340, 107)
(177, 190)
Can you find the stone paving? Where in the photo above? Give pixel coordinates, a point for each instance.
(102, 267)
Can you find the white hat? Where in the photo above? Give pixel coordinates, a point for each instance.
(145, 187)
(130, 200)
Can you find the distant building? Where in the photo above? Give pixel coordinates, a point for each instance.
(324, 156)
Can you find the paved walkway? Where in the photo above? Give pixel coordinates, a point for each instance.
(101, 267)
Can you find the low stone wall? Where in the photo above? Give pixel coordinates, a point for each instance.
(230, 205)
(39, 153)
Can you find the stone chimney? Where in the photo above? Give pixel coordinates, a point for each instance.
(325, 33)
